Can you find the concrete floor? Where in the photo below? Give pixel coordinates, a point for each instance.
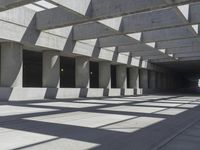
(163, 122)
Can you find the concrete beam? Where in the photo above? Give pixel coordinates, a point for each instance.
(152, 20)
(21, 29)
(57, 17)
(92, 30)
(168, 34)
(85, 10)
(183, 50)
(131, 23)
(160, 60)
(145, 53)
(118, 7)
(193, 54)
(95, 30)
(95, 10)
(189, 42)
(154, 57)
(8, 4)
(135, 47)
(194, 13)
(82, 7)
(116, 40)
(189, 58)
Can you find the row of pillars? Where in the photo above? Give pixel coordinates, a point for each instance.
(12, 71)
(157, 80)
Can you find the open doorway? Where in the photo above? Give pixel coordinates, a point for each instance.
(32, 69)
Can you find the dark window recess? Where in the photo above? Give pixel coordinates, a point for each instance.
(67, 72)
(113, 77)
(128, 77)
(32, 69)
(94, 75)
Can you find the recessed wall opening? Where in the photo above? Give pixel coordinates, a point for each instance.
(113, 77)
(67, 72)
(128, 77)
(32, 69)
(94, 74)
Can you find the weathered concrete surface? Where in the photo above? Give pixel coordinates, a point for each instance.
(11, 65)
(104, 75)
(82, 72)
(98, 124)
(51, 69)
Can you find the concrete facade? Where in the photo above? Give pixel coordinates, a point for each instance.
(152, 80)
(134, 78)
(104, 75)
(125, 42)
(82, 72)
(51, 69)
(121, 77)
(99, 74)
(144, 83)
(11, 65)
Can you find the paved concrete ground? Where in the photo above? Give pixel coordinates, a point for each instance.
(163, 122)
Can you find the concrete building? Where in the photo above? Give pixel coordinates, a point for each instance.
(94, 48)
(99, 75)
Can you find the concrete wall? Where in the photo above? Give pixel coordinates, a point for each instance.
(25, 94)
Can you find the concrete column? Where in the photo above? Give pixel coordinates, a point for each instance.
(167, 81)
(82, 72)
(144, 78)
(134, 78)
(11, 65)
(159, 80)
(104, 75)
(164, 81)
(121, 77)
(170, 82)
(152, 80)
(51, 69)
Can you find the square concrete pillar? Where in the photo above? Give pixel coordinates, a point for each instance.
(51, 69)
(82, 72)
(134, 78)
(152, 80)
(121, 76)
(164, 81)
(104, 75)
(167, 81)
(11, 65)
(144, 78)
(159, 80)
